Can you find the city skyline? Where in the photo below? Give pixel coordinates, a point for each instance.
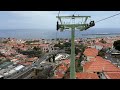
(47, 19)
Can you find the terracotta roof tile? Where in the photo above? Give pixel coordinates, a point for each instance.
(85, 75)
(66, 61)
(91, 52)
(60, 71)
(62, 67)
(27, 63)
(99, 65)
(112, 75)
(57, 77)
(96, 58)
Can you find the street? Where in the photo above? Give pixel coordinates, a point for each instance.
(112, 59)
(34, 65)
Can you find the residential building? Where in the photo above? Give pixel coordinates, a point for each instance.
(85, 75)
(111, 75)
(90, 53)
(98, 64)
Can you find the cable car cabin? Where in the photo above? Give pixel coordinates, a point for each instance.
(92, 23)
(87, 26)
(115, 54)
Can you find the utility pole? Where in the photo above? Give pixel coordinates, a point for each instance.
(73, 27)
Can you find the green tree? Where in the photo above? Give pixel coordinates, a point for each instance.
(36, 49)
(0, 60)
(81, 47)
(5, 42)
(102, 41)
(79, 68)
(68, 50)
(57, 45)
(116, 45)
(67, 44)
(32, 53)
(61, 46)
(102, 53)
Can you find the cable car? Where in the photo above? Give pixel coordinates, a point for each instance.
(87, 26)
(83, 28)
(92, 23)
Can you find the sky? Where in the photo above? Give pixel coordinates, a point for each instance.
(47, 19)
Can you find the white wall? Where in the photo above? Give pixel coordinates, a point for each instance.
(98, 47)
(102, 76)
(88, 58)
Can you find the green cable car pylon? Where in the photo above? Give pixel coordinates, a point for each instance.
(73, 26)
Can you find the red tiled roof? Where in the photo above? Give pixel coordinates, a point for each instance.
(59, 74)
(91, 52)
(85, 75)
(27, 63)
(112, 75)
(60, 71)
(31, 59)
(62, 67)
(96, 58)
(57, 77)
(66, 61)
(99, 65)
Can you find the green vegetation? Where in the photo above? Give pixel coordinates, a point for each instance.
(36, 48)
(62, 46)
(2, 54)
(59, 45)
(68, 50)
(78, 49)
(4, 41)
(35, 52)
(79, 68)
(5, 64)
(67, 46)
(0, 60)
(102, 41)
(29, 42)
(81, 47)
(102, 53)
(116, 45)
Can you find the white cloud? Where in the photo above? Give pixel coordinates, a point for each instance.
(38, 19)
(47, 19)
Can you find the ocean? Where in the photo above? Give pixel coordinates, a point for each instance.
(53, 34)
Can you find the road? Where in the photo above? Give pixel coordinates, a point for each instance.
(112, 59)
(36, 64)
